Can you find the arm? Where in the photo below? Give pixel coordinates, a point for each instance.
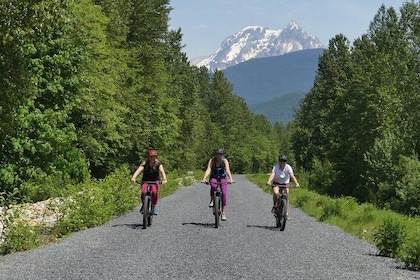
(270, 179)
(162, 172)
(207, 173)
(138, 171)
(228, 171)
(294, 179)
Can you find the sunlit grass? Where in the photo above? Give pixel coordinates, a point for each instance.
(382, 228)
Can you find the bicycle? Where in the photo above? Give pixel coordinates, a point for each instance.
(217, 203)
(147, 203)
(281, 206)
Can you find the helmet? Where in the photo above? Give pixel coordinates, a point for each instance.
(219, 151)
(283, 158)
(152, 153)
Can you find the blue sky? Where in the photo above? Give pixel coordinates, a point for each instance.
(206, 23)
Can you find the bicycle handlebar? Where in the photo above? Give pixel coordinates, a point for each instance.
(148, 182)
(283, 185)
(217, 183)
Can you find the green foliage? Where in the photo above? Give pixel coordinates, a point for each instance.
(408, 186)
(394, 234)
(361, 113)
(20, 236)
(323, 177)
(39, 61)
(280, 109)
(380, 173)
(410, 254)
(87, 205)
(389, 237)
(98, 201)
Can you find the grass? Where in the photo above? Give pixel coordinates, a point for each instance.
(88, 205)
(395, 235)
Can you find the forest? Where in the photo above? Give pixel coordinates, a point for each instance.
(90, 85)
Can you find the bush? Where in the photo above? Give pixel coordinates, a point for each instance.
(98, 202)
(21, 236)
(410, 254)
(389, 237)
(323, 177)
(408, 188)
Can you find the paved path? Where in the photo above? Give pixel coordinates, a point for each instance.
(183, 244)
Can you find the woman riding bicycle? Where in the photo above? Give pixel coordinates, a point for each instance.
(152, 169)
(218, 169)
(280, 175)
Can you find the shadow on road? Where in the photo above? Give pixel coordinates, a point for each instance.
(263, 227)
(199, 224)
(133, 226)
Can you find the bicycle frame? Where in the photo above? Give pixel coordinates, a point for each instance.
(281, 206)
(147, 203)
(217, 203)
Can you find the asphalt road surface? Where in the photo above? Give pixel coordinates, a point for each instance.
(183, 244)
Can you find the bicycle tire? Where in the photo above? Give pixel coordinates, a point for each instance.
(282, 214)
(146, 210)
(277, 213)
(216, 210)
(150, 217)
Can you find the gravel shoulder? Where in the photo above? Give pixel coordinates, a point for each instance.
(183, 244)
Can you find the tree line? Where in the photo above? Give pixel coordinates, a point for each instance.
(90, 85)
(357, 130)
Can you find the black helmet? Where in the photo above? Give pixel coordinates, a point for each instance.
(283, 158)
(219, 151)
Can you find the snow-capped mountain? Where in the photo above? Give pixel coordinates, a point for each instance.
(256, 41)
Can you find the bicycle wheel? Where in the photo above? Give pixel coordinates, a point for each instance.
(150, 216)
(216, 210)
(282, 214)
(146, 210)
(277, 213)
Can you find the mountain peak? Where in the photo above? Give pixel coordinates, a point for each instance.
(254, 27)
(257, 41)
(293, 25)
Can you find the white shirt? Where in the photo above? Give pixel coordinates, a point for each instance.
(282, 176)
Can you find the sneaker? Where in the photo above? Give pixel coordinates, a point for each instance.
(155, 211)
(223, 217)
(141, 209)
(211, 203)
(273, 210)
(287, 217)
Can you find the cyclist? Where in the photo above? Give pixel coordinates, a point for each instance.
(281, 174)
(151, 169)
(218, 169)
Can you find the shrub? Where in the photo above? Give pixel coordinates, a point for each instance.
(390, 236)
(21, 236)
(301, 200)
(408, 188)
(410, 254)
(331, 207)
(323, 177)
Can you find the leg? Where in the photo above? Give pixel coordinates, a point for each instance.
(224, 193)
(287, 212)
(275, 197)
(275, 194)
(143, 192)
(155, 189)
(213, 187)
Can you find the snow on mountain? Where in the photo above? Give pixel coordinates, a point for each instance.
(256, 41)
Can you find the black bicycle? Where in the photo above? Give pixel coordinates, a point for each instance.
(281, 206)
(217, 203)
(147, 203)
